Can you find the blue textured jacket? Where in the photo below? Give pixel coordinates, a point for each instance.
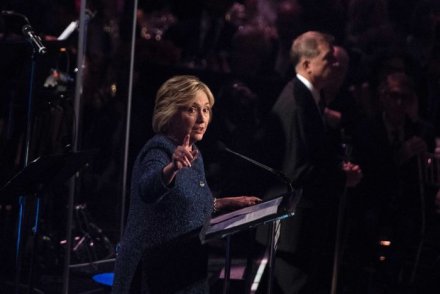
(158, 218)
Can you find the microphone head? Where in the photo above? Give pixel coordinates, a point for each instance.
(26, 29)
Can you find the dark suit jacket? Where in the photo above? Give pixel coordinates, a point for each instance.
(309, 154)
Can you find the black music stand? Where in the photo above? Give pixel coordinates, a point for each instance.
(226, 225)
(45, 172)
(38, 177)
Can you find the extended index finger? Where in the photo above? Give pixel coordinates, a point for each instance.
(186, 141)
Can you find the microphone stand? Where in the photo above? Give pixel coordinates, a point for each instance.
(275, 227)
(82, 38)
(277, 173)
(22, 199)
(340, 222)
(338, 242)
(420, 165)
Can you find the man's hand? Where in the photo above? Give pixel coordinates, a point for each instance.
(353, 174)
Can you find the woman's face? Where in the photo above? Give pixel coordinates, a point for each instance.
(192, 119)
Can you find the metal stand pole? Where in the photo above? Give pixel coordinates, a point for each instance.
(21, 203)
(420, 165)
(22, 199)
(77, 107)
(338, 242)
(34, 245)
(347, 147)
(128, 120)
(273, 243)
(226, 281)
(272, 249)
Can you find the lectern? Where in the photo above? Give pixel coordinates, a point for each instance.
(268, 212)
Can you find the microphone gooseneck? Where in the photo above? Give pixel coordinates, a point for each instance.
(13, 13)
(273, 171)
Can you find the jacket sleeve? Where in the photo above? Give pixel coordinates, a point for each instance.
(148, 175)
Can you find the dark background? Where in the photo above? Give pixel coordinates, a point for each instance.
(373, 32)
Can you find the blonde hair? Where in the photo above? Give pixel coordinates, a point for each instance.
(307, 45)
(176, 92)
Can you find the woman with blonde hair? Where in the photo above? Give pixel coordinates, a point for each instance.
(170, 199)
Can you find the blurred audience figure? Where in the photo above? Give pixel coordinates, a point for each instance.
(261, 13)
(432, 107)
(336, 97)
(253, 44)
(154, 18)
(423, 44)
(339, 74)
(390, 147)
(236, 124)
(343, 112)
(103, 100)
(289, 25)
(374, 69)
(424, 30)
(368, 28)
(204, 40)
(399, 14)
(327, 16)
(252, 52)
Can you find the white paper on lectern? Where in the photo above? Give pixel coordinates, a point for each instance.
(244, 215)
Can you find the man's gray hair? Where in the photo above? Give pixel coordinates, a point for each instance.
(307, 45)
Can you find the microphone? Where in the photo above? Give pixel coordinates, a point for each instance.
(273, 171)
(276, 225)
(29, 33)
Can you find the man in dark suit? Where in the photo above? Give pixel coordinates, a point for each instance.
(395, 202)
(312, 159)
